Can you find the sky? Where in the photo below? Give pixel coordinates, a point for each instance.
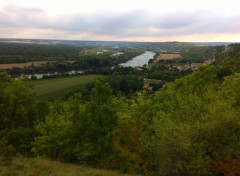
(122, 20)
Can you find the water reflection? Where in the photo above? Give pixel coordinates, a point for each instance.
(140, 60)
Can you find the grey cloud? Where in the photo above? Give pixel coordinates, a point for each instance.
(14, 8)
(177, 20)
(136, 23)
(22, 16)
(106, 24)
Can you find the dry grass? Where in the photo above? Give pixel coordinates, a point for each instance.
(43, 167)
(21, 65)
(167, 57)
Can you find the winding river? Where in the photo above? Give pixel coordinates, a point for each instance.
(140, 60)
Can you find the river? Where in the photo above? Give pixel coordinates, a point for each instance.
(140, 60)
(137, 61)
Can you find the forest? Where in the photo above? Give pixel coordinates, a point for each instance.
(190, 126)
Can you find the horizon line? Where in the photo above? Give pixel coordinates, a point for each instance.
(117, 40)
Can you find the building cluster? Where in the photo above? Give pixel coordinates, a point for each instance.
(194, 66)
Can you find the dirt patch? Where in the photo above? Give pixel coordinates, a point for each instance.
(167, 57)
(21, 65)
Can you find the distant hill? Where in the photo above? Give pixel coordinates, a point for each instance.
(109, 43)
(230, 58)
(213, 43)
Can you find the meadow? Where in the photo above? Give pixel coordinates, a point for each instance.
(57, 88)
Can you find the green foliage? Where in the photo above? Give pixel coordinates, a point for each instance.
(6, 149)
(20, 52)
(19, 110)
(189, 127)
(125, 83)
(82, 135)
(53, 136)
(196, 121)
(126, 148)
(100, 118)
(165, 73)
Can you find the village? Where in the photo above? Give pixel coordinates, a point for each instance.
(194, 66)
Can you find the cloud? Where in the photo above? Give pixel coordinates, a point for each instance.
(19, 21)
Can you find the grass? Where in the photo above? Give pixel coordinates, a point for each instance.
(42, 167)
(57, 88)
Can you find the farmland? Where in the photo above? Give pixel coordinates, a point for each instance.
(57, 88)
(21, 65)
(167, 57)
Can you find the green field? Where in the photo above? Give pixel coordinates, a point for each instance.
(57, 88)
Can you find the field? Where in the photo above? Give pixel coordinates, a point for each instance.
(21, 65)
(167, 57)
(43, 167)
(148, 81)
(58, 88)
(96, 51)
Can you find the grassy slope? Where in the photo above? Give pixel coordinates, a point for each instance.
(43, 167)
(59, 87)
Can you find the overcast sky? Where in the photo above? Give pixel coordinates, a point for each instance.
(122, 20)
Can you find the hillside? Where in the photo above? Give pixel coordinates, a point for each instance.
(230, 58)
(187, 127)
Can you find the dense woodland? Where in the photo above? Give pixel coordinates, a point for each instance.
(20, 52)
(189, 127)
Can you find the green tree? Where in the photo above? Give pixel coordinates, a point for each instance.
(196, 121)
(19, 110)
(53, 135)
(94, 125)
